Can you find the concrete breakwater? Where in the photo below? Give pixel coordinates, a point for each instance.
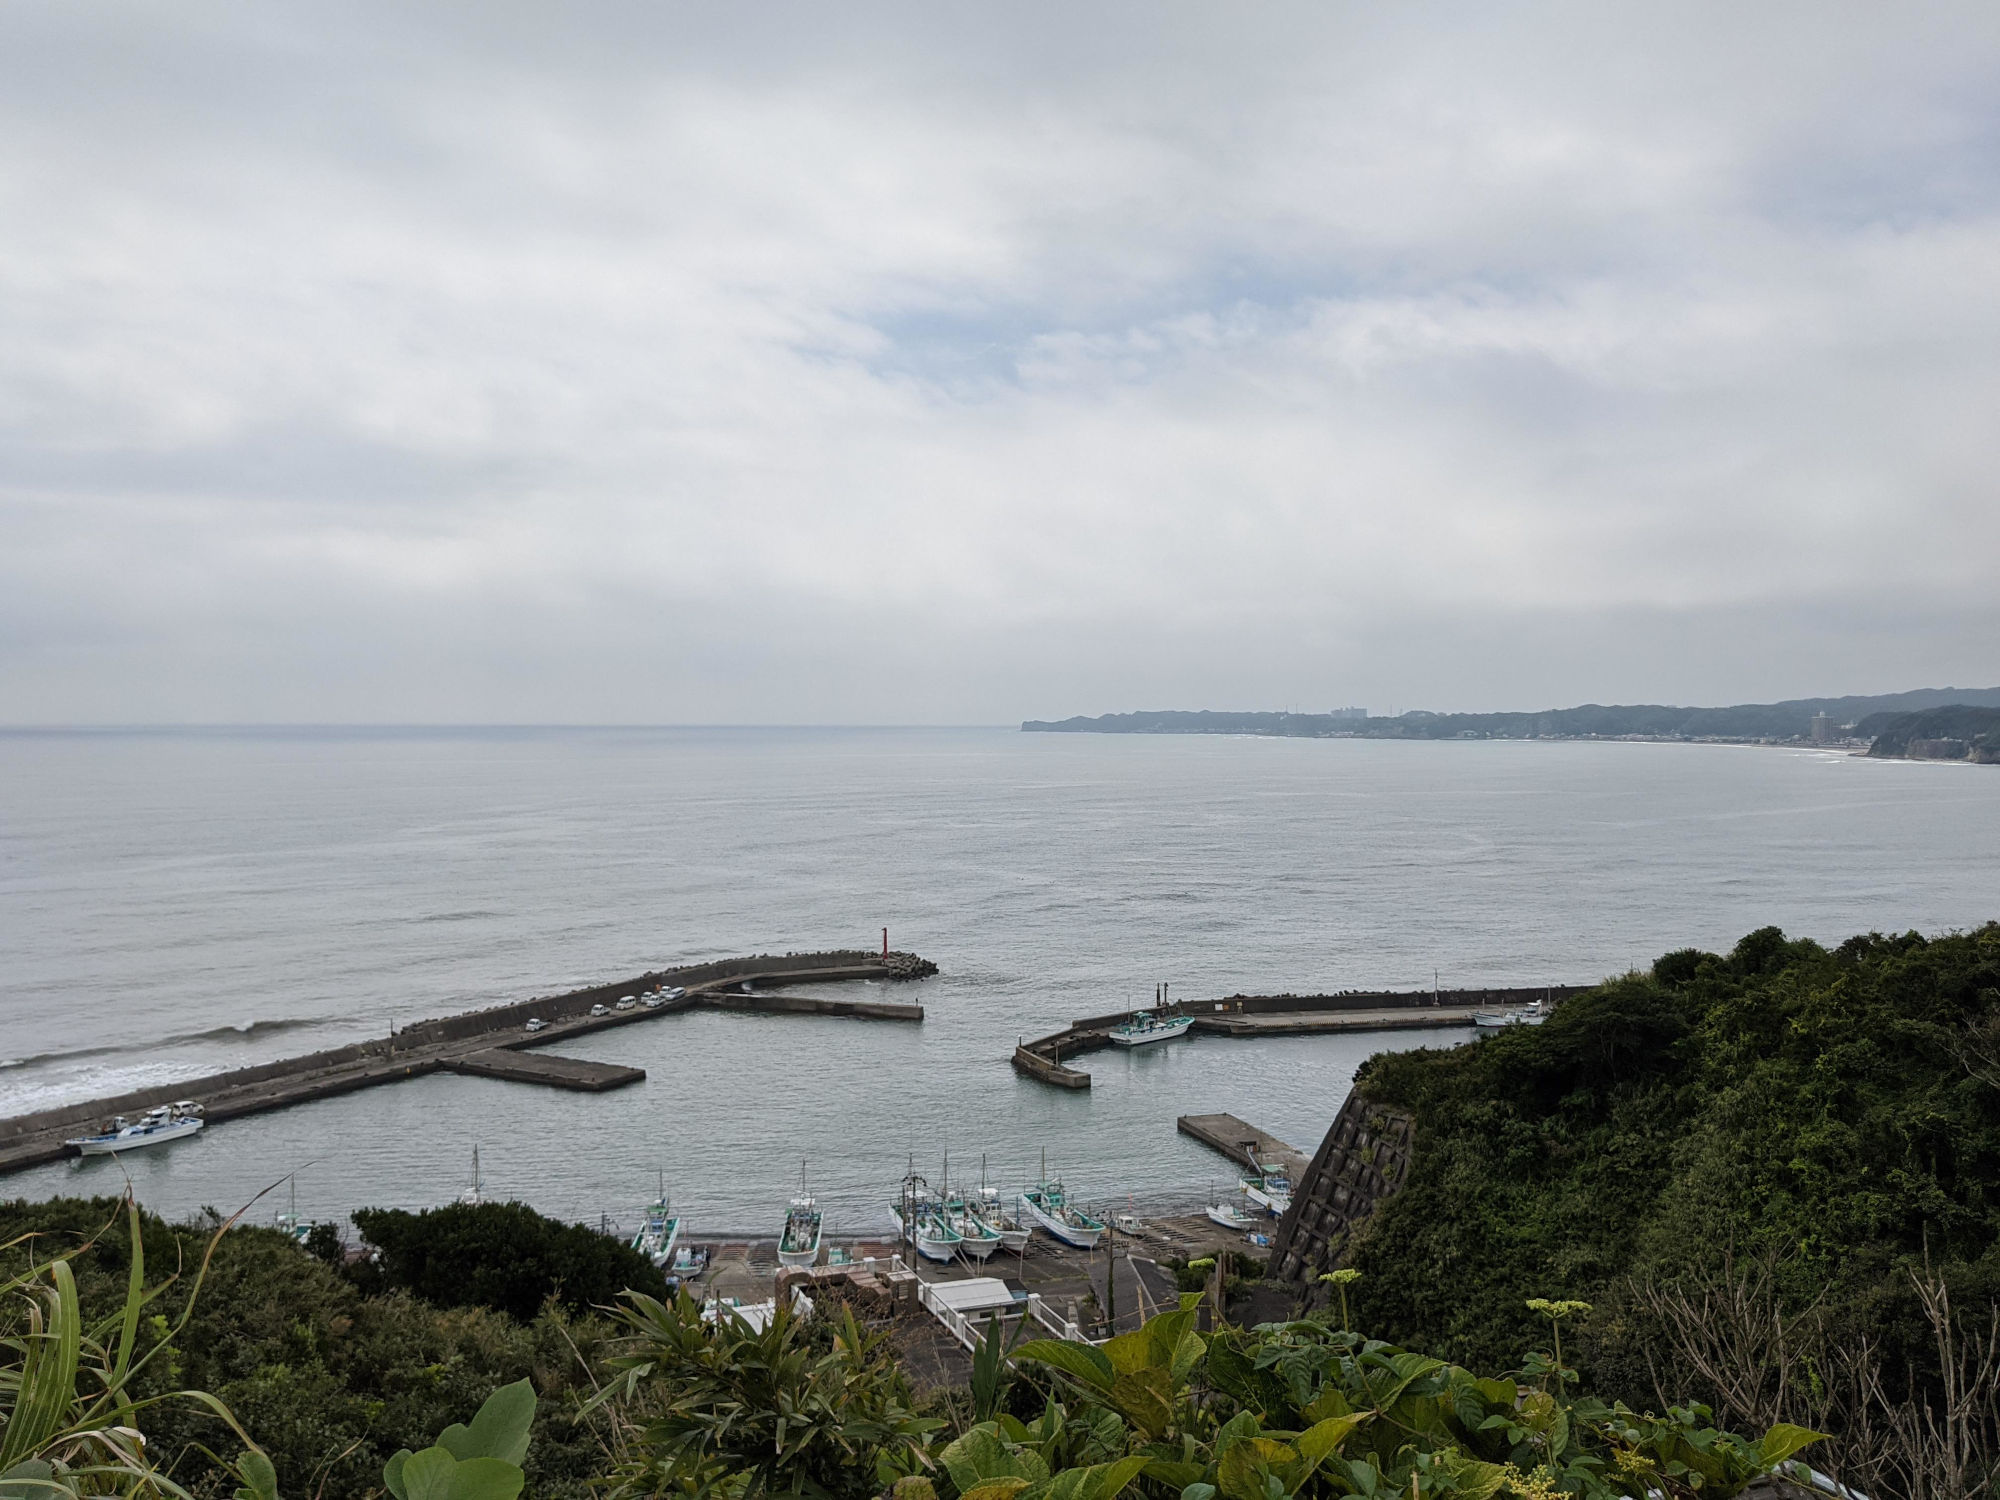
(1283, 1015)
(492, 1042)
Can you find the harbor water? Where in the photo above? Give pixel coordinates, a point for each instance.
(177, 902)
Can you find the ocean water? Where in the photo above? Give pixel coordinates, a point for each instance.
(174, 902)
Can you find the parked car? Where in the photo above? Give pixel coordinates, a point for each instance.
(536, 1023)
(629, 1002)
(671, 992)
(600, 1009)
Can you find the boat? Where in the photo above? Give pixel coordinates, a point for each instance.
(993, 1213)
(166, 1122)
(935, 1238)
(798, 1245)
(1270, 1189)
(1128, 1224)
(1047, 1204)
(1145, 1027)
(976, 1238)
(476, 1194)
(1229, 1216)
(288, 1223)
(661, 1230)
(1487, 1022)
(688, 1263)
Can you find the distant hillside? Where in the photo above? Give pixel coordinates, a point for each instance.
(1791, 720)
(1956, 732)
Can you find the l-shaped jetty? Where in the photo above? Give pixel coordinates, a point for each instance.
(1283, 1015)
(492, 1043)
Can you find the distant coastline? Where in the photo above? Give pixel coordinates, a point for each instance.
(1925, 723)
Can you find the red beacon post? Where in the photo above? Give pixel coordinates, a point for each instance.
(885, 942)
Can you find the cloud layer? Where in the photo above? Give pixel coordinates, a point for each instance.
(804, 363)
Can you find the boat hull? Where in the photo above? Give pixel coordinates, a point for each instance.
(111, 1145)
(798, 1258)
(1083, 1237)
(932, 1247)
(1157, 1034)
(1229, 1218)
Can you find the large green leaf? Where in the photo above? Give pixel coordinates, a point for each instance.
(1099, 1481)
(1086, 1363)
(1145, 1398)
(31, 1479)
(1187, 1354)
(995, 1489)
(981, 1457)
(1783, 1440)
(1322, 1438)
(484, 1479)
(426, 1475)
(1241, 1472)
(1131, 1351)
(259, 1476)
(500, 1428)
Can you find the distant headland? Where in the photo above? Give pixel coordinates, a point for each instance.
(1926, 723)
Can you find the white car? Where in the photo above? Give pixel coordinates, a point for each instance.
(600, 1009)
(629, 1002)
(536, 1023)
(671, 992)
(652, 1002)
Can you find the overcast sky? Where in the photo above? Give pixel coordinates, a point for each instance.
(754, 363)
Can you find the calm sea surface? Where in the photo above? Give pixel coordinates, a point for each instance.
(177, 902)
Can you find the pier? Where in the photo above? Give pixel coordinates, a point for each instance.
(1243, 1143)
(1283, 1015)
(489, 1043)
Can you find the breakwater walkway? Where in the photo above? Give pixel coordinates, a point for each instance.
(491, 1043)
(1283, 1015)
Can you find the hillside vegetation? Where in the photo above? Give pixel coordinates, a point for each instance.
(1814, 1133)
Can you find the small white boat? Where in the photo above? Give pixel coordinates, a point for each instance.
(168, 1122)
(1270, 1190)
(976, 1238)
(689, 1262)
(476, 1193)
(798, 1245)
(1229, 1216)
(1145, 1027)
(1128, 1224)
(1486, 1022)
(1047, 1204)
(1014, 1234)
(936, 1239)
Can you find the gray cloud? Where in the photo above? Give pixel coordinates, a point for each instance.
(643, 363)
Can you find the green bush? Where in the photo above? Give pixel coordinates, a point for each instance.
(503, 1256)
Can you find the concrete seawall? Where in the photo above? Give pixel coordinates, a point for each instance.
(474, 1041)
(1283, 1015)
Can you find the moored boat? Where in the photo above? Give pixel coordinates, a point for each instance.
(167, 1122)
(1145, 1027)
(1486, 1022)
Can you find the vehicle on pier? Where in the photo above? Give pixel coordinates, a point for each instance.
(1047, 1204)
(1145, 1027)
(535, 1023)
(798, 1245)
(166, 1122)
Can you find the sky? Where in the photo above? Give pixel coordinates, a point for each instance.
(940, 363)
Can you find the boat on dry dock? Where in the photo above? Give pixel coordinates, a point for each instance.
(798, 1245)
(1047, 1206)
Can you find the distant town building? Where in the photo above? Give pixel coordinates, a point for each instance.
(1822, 728)
(1355, 715)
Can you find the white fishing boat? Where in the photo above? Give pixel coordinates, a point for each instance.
(993, 1213)
(660, 1231)
(935, 1238)
(288, 1223)
(976, 1238)
(1145, 1027)
(1229, 1216)
(167, 1122)
(1269, 1189)
(1487, 1022)
(1047, 1205)
(799, 1244)
(688, 1263)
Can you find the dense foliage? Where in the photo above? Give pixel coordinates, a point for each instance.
(1833, 1115)
(1978, 729)
(1283, 1410)
(329, 1381)
(502, 1256)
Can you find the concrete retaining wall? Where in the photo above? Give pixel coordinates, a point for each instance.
(1364, 1159)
